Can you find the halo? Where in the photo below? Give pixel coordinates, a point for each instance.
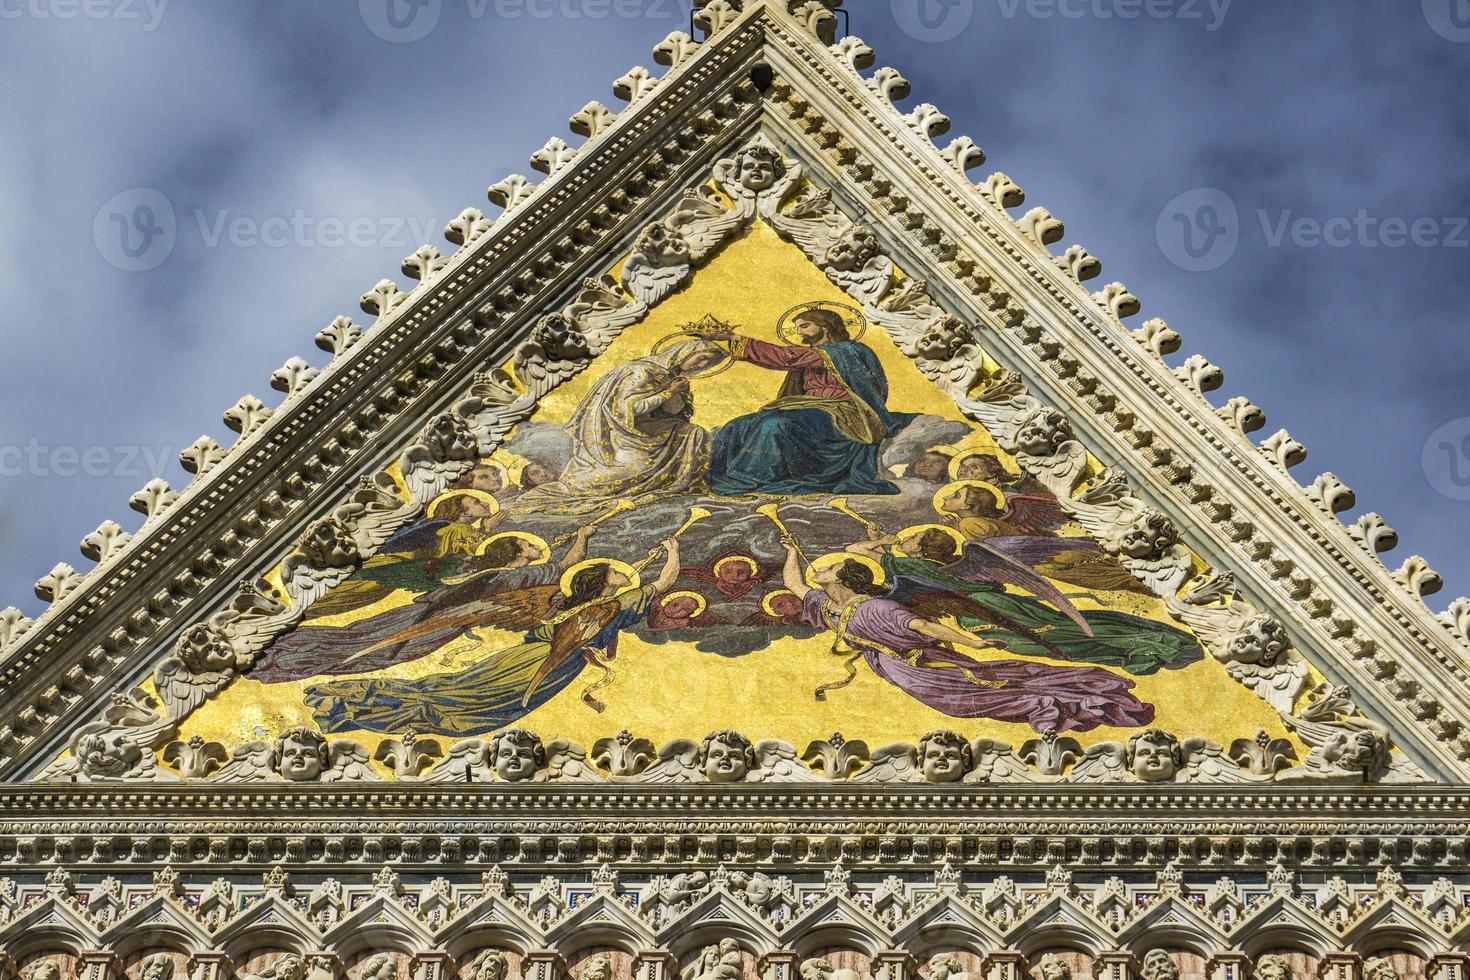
(959, 457)
(725, 363)
(617, 565)
(766, 599)
(950, 489)
(703, 603)
(852, 318)
(954, 535)
(522, 535)
(837, 558)
(481, 495)
(749, 562)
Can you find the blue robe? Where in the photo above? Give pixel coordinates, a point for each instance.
(794, 446)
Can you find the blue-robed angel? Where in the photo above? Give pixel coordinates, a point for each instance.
(823, 432)
(567, 628)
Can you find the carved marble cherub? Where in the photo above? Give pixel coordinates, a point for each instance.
(102, 751)
(946, 966)
(288, 967)
(728, 757)
(719, 962)
(1157, 756)
(446, 447)
(299, 755)
(492, 965)
(382, 966)
(514, 755)
(1159, 965)
(1272, 967)
(849, 254)
(758, 176)
(1053, 967)
(944, 757)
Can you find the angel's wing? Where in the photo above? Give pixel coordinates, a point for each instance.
(867, 284)
(776, 762)
(182, 690)
(571, 635)
(466, 762)
(980, 562)
(997, 762)
(349, 763)
(704, 223)
(520, 609)
(933, 600)
(250, 763)
(897, 762)
(650, 281)
(678, 762)
(566, 762)
(1206, 762)
(813, 224)
(1033, 512)
(62, 771)
(1278, 685)
(1061, 471)
(1102, 763)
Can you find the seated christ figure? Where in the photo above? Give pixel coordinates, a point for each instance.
(823, 432)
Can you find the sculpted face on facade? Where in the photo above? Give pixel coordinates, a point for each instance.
(1150, 537)
(726, 757)
(1159, 965)
(945, 757)
(758, 167)
(1262, 640)
(518, 755)
(1053, 967)
(1042, 433)
(492, 965)
(205, 647)
(1272, 967)
(106, 752)
(159, 966)
(1154, 756)
(330, 543)
(300, 756)
(946, 966)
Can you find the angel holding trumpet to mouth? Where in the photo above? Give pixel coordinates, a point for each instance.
(570, 625)
(900, 626)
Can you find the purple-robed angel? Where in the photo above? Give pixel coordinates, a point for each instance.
(918, 655)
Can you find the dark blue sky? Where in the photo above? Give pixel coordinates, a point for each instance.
(300, 152)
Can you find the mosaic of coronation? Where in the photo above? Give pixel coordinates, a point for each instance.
(902, 540)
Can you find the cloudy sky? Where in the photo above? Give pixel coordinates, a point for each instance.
(1283, 180)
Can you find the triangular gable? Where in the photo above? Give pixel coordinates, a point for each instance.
(1043, 349)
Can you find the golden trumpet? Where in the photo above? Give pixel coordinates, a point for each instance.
(696, 514)
(840, 505)
(618, 507)
(772, 513)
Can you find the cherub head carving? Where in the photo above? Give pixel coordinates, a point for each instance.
(1159, 965)
(945, 757)
(383, 966)
(1154, 756)
(758, 167)
(1379, 968)
(1149, 537)
(662, 246)
(1053, 967)
(159, 966)
(204, 648)
(1262, 640)
(105, 751)
(726, 756)
(1042, 433)
(517, 755)
(853, 251)
(1356, 750)
(300, 755)
(43, 970)
(559, 338)
(816, 970)
(449, 438)
(598, 967)
(946, 337)
(492, 965)
(329, 543)
(942, 966)
(1272, 967)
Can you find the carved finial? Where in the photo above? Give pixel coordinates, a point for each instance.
(1331, 494)
(1456, 619)
(204, 455)
(1171, 880)
(246, 416)
(1039, 226)
(1418, 577)
(674, 50)
(1059, 881)
(714, 16)
(1200, 375)
(888, 83)
(634, 85)
(1242, 415)
(294, 377)
(1283, 450)
(1003, 192)
(105, 543)
(13, 625)
(838, 880)
(511, 192)
(854, 51)
(424, 264)
(382, 299)
(1117, 300)
(592, 120)
(277, 882)
(468, 228)
(963, 154)
(153, 500)
(927, 120)
(1280, 881)
(58, 583)
(1373, 533)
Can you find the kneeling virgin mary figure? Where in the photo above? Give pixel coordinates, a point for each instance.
(632, 438)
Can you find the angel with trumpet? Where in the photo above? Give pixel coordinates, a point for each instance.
(905, 629)
(569, 625)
